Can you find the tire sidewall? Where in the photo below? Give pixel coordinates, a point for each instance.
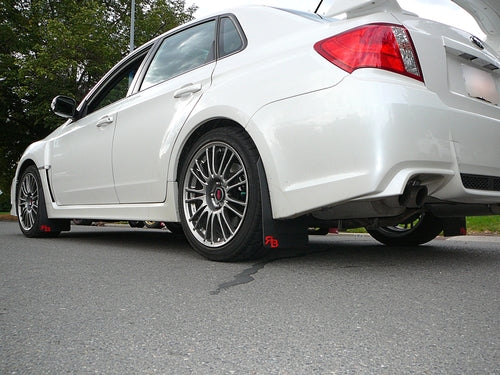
(427, 228)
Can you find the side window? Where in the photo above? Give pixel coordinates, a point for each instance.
(117, 86)
(181, 52)
(229, 39)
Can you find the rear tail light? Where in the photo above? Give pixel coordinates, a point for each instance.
(382, 46)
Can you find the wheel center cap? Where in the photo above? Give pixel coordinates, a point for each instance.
(219, 194)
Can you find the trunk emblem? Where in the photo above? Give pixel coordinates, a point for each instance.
(475, 40)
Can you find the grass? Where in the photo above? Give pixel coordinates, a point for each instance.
(484, 224)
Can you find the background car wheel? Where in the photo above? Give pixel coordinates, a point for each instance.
(136, 224)
(418, 230)
(219, 197)
(31, 210)
(153, 224)
(317, 231)
(82, 222)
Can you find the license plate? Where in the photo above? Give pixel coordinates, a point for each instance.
(480, 84)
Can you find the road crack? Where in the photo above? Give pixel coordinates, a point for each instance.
(244, 277)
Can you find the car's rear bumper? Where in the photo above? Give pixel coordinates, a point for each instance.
(366, 138)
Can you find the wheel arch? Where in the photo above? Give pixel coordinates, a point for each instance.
(214, 123)
(20, 170)
(258, 139)
(25, 164)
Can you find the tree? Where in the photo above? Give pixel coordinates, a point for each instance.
(51, 47)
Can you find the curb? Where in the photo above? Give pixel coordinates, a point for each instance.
(8, 218)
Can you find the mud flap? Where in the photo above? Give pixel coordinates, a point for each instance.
(454, 226)
(279, 233)
(54, 225)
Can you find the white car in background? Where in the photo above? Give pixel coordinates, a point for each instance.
(250, 126)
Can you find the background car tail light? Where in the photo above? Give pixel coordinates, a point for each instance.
(382, 46)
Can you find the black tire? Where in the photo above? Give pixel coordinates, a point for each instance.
(219, 196)
(153, 224)
(175, 228)
(136, 224)
(317, 231)
(82, 221)
(418, 230)
(30, 206)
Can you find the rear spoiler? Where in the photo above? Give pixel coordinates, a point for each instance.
(355, 8)
(487, 16)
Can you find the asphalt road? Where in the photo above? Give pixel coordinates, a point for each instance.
(116, 300)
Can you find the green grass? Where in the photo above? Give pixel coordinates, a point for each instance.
(484, 224)
(356, 230)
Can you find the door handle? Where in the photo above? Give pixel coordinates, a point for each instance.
(104, 120)
(186, 90)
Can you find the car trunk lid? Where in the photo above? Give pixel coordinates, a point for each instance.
(459, 67)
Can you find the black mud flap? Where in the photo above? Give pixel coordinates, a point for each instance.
(52, 225)
(454, 226)
(279, 234)
(55, 225)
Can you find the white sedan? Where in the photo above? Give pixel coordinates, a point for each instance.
(251, 126)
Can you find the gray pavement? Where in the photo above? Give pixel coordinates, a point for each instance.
(117, 300)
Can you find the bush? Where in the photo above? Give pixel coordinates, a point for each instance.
(4, 202)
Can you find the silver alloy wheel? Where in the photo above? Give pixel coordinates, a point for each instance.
(28, 202)
(215, 194)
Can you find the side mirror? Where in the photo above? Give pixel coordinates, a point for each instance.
(64, 106)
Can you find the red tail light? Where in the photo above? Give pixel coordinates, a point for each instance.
(382, 46)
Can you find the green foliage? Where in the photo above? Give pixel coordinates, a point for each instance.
(52, 47)
(4, 202)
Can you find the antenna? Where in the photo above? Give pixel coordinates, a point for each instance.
(321, 2)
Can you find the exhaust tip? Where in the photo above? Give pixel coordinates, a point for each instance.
(413, 196)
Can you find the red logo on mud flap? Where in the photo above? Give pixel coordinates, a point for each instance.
(45, 228)
(271, 241)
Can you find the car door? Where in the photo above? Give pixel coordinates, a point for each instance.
(148, 121)
(80, 155)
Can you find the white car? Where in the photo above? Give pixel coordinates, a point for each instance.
(250, 126)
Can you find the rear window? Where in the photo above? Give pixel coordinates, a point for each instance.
(230, 39)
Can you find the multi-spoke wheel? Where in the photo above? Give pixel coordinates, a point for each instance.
(417, 230)
(219, 196)
(31, 211)
(215, 192)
